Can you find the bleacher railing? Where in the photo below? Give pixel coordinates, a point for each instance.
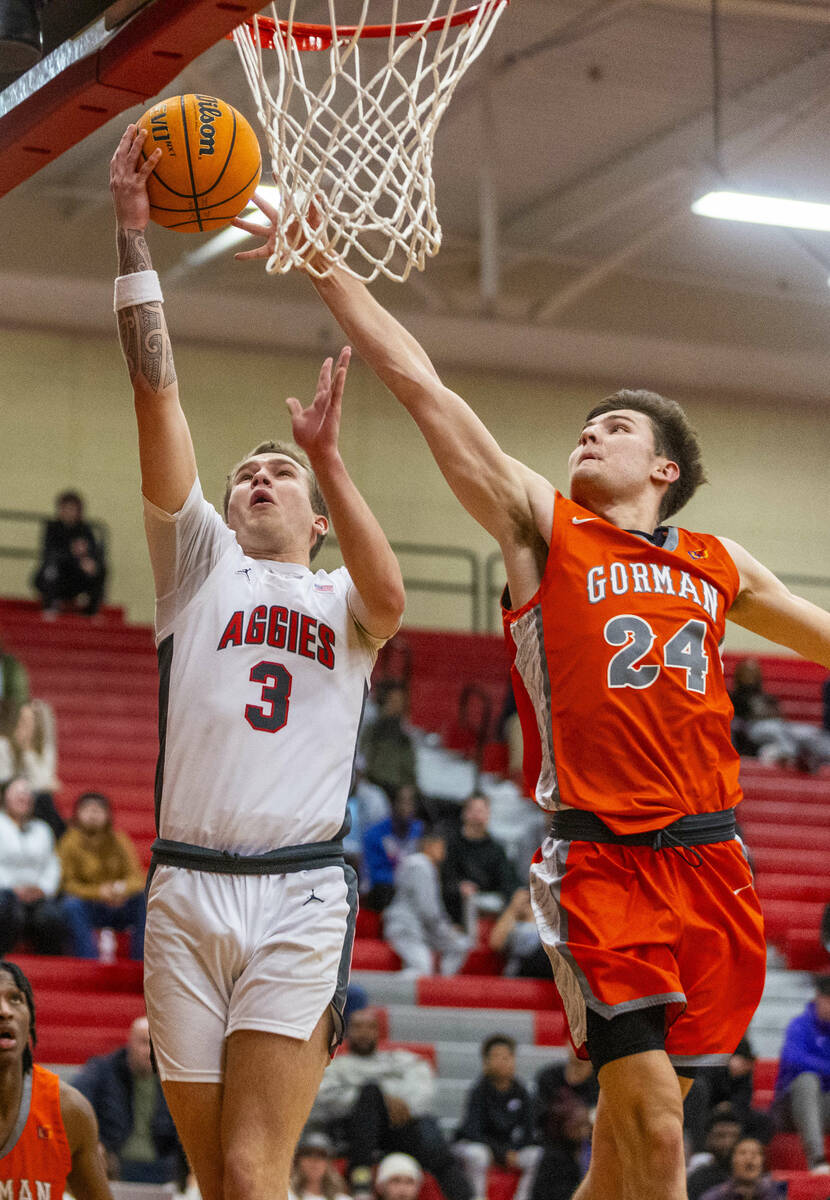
(427, 567)
(29, 528)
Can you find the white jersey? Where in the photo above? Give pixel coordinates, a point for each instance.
(263, 676)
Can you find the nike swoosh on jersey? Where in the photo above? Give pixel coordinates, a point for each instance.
(582, 520)
(737, 891)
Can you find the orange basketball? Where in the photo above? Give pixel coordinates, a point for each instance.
(210, 162)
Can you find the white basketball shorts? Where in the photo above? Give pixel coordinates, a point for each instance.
(228, 952)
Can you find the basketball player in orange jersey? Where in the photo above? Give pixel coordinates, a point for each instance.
(48, 1131)
(642, 894)
(264, 667)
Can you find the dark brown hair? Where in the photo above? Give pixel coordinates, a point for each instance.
(674, 439)
(318, 503)
(21, 982)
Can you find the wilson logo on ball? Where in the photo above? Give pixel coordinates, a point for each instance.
(208, 112)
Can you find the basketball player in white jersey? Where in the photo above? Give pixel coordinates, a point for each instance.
(264, 670)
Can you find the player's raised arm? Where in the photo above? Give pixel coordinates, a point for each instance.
(499, 492)
(378, 599)
(766, 606)
(168, 464)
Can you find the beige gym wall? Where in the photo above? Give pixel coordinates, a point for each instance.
(66, 420)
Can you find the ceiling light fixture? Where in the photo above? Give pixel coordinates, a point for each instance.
(230, 236)
(764, 210)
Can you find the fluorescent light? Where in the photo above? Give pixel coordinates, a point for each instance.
(229, 237)
(764, 210)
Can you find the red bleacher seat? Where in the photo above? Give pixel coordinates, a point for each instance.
(80, 974)
(369, 923)
(71, 1044)
(549, 1028)
(481, 961)
(781, 916)
(372, 954)
(501, 1185)
(785, 1153)
(802, 1186)
(803, 951)
(484, 991)
(778, 886)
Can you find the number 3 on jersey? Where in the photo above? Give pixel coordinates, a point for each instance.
(276, 689)
(683, 651)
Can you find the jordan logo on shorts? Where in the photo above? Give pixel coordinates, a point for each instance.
(319, 899)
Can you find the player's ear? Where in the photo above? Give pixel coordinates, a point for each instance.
(667, 471)
(320, 527)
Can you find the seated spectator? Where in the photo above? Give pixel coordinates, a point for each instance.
(375, 1101)
(14, 686)
(398, 1177)
(477, 875)
(557, 1086)
(713, 1165)
(498, 1121)
(566, 1156)
(367, 804)
(387, 843)
(28, 748)
(103, 882)
(30, 873)
(134, 1124)
(386, 745)
(72, 571)
(314, 1175)
(802, 1089)
(509, 730)
(726, 1085)
(516, 935)
(759, 728)
(415, 923)
(747, 1179)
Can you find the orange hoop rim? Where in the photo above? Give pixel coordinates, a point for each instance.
(308, 36)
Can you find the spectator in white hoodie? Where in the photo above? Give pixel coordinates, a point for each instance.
(416, 924)
(30, 873)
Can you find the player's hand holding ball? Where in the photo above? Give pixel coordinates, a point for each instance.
(128, 179)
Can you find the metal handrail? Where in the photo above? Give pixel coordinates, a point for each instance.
(100, 528)
(494, 586)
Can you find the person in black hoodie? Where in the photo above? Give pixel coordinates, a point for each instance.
(498, 1121)
(477, 874)
(72, 569)
(134, 1123)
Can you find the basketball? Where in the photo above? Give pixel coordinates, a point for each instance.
(210, 163)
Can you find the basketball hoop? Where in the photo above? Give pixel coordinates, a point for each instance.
(352, 149)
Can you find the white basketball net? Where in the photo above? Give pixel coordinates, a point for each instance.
(360, 149)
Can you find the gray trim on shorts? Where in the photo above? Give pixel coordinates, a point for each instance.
(570, 980)
(22, 1116)
(338, 1000)
(699, 1060)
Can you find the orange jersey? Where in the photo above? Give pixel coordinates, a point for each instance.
(38, 1160)
(618, 676)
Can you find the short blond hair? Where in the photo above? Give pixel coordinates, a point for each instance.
(292, 451)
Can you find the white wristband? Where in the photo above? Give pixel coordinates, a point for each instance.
(139, 288)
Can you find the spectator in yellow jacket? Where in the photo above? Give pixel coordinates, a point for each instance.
(103, 882)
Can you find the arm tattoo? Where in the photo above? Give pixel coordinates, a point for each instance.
(142, 328)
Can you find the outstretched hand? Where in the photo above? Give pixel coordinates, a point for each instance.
(290, 235)
(316, 429)
(128, 179)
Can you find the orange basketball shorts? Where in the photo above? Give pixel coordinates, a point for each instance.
(627, 927)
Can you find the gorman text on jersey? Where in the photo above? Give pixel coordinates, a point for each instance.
(622, 577)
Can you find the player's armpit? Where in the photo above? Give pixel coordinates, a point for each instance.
(87, 1179)
(489, 483)
(766, 606)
